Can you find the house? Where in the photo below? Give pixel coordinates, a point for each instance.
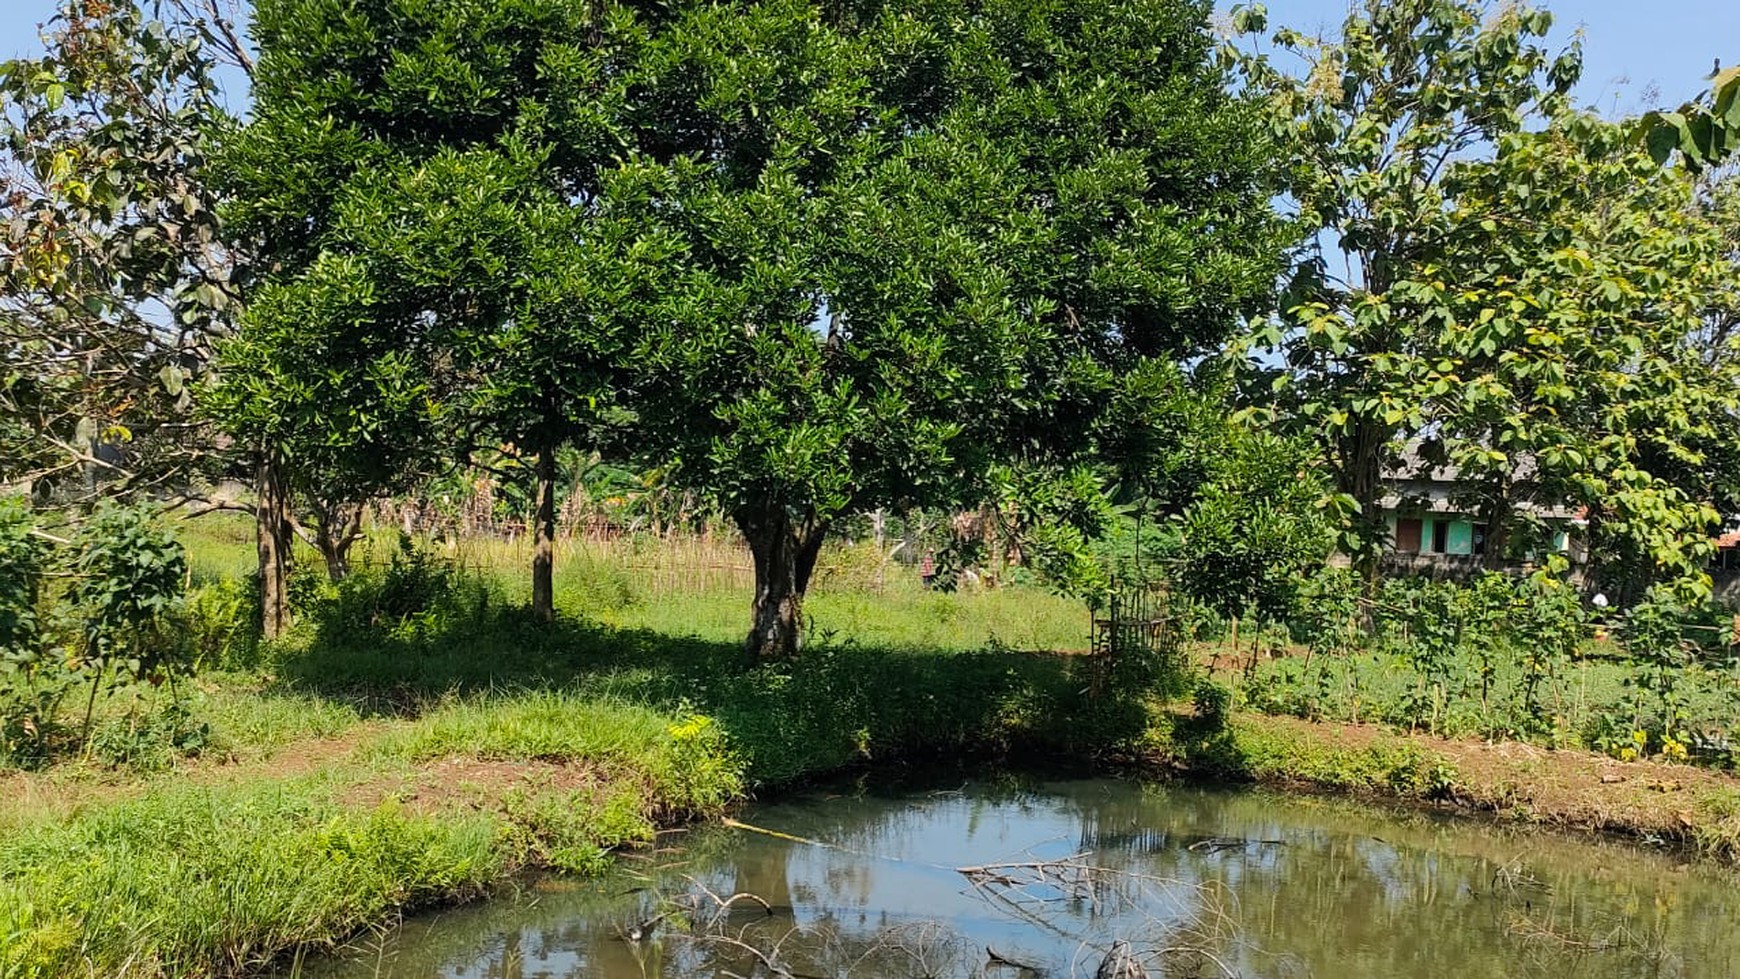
(1435, 527)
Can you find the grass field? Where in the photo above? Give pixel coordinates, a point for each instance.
(419, 739)
(701, 588)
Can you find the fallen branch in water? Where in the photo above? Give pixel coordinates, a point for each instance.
(723, 904)
(1216, 844)
(997, 958)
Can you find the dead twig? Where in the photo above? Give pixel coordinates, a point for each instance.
(997, 958)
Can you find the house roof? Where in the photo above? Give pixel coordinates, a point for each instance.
(1419, 486)
(1411, 463)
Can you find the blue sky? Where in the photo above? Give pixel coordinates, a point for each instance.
(1668, 43)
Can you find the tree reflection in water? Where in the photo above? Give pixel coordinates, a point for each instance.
(1199, 882)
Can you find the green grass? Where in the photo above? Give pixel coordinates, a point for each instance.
(221, 874)
(540, 725)
(194, 881)
(251, 718)
(1247, 749)
(220, 546)
(690, 587)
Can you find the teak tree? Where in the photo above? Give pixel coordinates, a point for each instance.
(1576, 367)
(1701, 135)
(1374, 121)
(924, 239)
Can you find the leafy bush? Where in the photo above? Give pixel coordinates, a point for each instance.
(27, 702)
(22, 557)
(121, 619)
(216, 625)
(130, 575)
(1212, 702)
(1654, 637)
(417, 594)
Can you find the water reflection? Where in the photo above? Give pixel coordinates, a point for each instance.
(1198, 882)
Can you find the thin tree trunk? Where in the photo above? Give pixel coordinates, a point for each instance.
(544, 538)
(1498, 514)
(273, 534)
(334, 542)
(785, 557)
(1362, 479)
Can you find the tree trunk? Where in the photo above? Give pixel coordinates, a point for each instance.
(544, 538)
(1498, 519)
(273, 535)
(785, 556)
(333, 537)
(1362, 479)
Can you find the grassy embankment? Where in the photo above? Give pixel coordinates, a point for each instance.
(388, 758)
(421, 741)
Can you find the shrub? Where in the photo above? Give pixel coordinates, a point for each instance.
(22, 557)
(416, 595)
(28, 701)
(130, 575)
(1212, 702)
(1654, 638)
(216, 626)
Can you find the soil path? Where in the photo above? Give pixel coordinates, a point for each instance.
(1578, 789)
(63, 790)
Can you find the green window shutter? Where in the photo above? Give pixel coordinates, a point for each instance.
(1460, 539)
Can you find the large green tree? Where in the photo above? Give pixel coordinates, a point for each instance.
(924, 239)
(1576, 367)
(1373, 121)
(425, 185)
(818, 258)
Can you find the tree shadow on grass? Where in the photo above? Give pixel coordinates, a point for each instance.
(838, 705)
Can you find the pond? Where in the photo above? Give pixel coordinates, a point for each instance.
(1049, 878)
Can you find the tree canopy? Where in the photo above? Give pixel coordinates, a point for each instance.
(813, 259)
(1374, 122)
(927, 238)
(114, 276)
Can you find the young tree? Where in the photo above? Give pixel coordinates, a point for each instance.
(923, 238)
(113, 276)
(1375, 120)
(116, 278)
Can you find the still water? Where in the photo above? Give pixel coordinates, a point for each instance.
(1042, 879)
